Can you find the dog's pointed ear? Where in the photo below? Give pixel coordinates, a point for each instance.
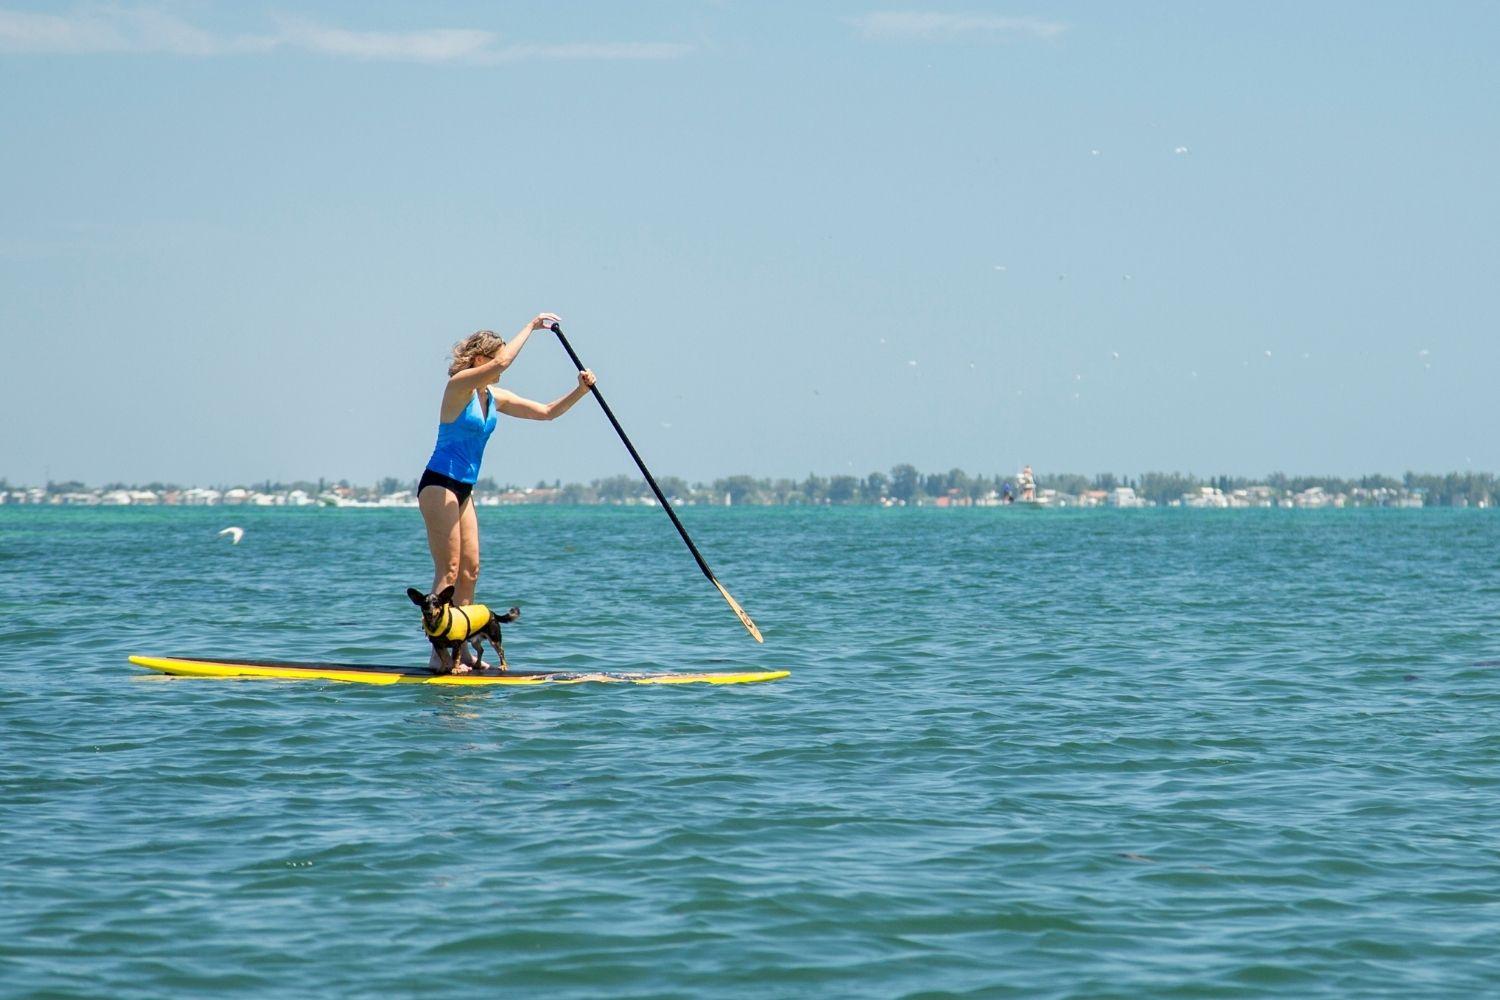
(417, 597)
(446, 595)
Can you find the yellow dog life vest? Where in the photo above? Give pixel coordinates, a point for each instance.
(457, 624)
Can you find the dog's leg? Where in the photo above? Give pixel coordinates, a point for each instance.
(478, 643)
(456, 659)
(491, 632)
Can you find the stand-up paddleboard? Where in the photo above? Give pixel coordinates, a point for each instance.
(376, 674)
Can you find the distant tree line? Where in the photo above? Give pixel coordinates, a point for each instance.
(902, 484)
(1450, 490)
(906, 484)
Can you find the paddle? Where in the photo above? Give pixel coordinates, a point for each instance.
(660, 497)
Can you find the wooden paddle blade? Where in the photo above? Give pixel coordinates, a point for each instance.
(744, 618)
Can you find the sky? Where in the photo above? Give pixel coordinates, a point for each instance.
(237, 240)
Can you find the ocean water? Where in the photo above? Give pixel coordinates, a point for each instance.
(1021, 753)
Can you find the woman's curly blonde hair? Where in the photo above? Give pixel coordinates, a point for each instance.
(480, 344)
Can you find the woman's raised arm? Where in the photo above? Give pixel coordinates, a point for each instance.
(470, 379)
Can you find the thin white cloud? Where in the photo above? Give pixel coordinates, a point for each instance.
(21, 31)
(95, 30)
(88, 31)
(897, 25)
(157, 30)
(431, 45)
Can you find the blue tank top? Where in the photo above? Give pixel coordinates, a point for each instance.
(460, 442)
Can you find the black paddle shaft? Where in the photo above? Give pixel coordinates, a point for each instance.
(660, 497)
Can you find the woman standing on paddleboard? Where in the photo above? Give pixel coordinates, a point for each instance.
(471, 407)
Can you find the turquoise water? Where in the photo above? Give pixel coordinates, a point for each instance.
(1022, 753)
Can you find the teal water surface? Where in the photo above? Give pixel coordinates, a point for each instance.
(1021, 753)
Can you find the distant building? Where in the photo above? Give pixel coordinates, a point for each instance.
(1205, 496)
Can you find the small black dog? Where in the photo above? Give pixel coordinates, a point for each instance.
(449, 627)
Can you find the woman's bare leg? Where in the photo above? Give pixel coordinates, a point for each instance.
(441, 513)
(468, 569)
(468, 555)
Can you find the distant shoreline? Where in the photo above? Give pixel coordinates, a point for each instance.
(904, 486)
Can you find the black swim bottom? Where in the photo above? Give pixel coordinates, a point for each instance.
(458, 489)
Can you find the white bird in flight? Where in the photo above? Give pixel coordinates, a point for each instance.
(235, 534)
